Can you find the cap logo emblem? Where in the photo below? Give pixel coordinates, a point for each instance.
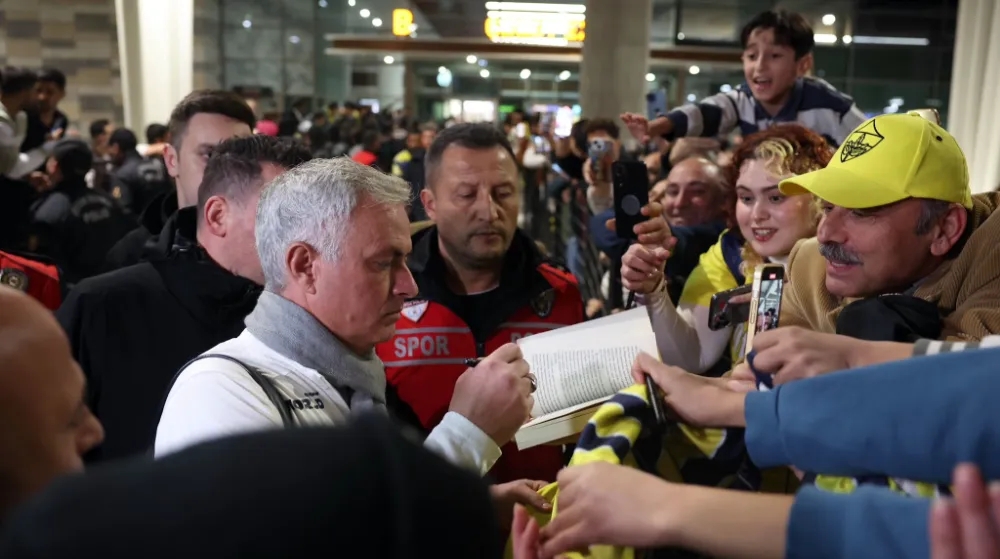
(860, 142)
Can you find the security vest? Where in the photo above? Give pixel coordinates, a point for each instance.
(34, 275)
(428, 352)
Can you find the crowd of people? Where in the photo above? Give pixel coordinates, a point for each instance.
(173, 312)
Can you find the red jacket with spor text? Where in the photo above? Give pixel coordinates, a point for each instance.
(426, 356)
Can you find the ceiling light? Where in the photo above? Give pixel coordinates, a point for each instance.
(694, 70)
(525, 74)
(829, 19)
(413, 27)
(442, 69)
(483, 63)
(726, 88)
(388, 59)
(897, 101)
(294, 39)
(899, 41)
(377, 22)
(848, 39)
(651, 77)
(350, 3)
(564, 75)
(537, 7)
(484, 73)
(680, 36)
(365, 12)
(692, 97)
(247, 24)
(891, 109)
(323, 4)
(471, 59)
(824, 38)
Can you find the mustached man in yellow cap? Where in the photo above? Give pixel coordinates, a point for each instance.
(898, 218)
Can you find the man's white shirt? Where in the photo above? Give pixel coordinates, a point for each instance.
(216, 398)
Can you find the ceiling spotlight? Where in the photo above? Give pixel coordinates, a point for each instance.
(694, 70)
(564, 75)
(680, 36)
(650, 77)
(847, 39)
(365, 12)
(442, 69)
(350, 3)
(692, 97)
(726, 88)
(377, 22)
(483, 63)
(525, 74)
(323, 4)
(471, 59)
(247, 24)
(829, 19)
(388, 59)
(484, 73)
(294, 39)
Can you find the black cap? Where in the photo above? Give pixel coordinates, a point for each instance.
(73, 156)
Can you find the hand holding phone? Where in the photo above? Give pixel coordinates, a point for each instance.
(728, 308)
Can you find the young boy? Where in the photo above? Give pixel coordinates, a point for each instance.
(777, 55)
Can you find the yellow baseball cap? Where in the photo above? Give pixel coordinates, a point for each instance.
(887, 159)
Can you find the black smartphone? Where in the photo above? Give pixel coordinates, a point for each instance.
(765, 308)
(723, 313)
(631, 187)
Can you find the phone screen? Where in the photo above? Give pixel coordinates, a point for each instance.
(769, 305)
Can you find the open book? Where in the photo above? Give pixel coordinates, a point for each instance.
(578, 368)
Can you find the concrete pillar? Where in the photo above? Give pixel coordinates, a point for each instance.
(615, 58)
(975, 79)
(156, 52)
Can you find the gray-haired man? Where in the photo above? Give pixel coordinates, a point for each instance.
(333, 237)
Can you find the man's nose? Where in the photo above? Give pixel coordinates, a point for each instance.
(830, 229)
(405, 286)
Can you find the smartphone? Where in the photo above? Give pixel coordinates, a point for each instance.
(631, 188)
(722, 313)
(765, 308)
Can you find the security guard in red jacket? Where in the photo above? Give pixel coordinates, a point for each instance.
(483, 283)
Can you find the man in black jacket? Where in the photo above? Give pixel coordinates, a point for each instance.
(131, 330)
(199, 122)
(72, 224)
(136, 180)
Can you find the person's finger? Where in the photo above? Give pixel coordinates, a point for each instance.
(647, 364)
(536, 484)
(742, 386)
(641, 263)
(610, 224)
(742, 300)
(652, 209)
(742, 372)
(977, 529)
(564, 538)
(524, 534)
(945, 543)
(770, 360)
(651, 226)
(525, 495)
(994, 490)
(521, 518)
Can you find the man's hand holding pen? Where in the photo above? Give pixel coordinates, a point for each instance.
(496, 393)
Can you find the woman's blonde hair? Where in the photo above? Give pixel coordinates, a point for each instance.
(785, 149)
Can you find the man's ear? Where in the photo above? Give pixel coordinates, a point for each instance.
(949, 230)
(214, 216)
(301, 266)
(172, 160)
(804, 65)
(430, 204)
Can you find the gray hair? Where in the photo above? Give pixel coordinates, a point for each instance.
(312, 204)
(931, 212)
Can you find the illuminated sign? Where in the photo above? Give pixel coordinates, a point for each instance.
(535, 24)
(402, 22)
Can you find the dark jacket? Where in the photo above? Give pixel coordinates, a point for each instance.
(144, 243)
(356, 491)
(139, 180)
(38, 130)
(414, 173)
(76, 226)
(132, 329)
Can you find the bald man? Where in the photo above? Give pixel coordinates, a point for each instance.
(45, 425)
(693, 194)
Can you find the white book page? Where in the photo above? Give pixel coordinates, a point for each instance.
(586, 362)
